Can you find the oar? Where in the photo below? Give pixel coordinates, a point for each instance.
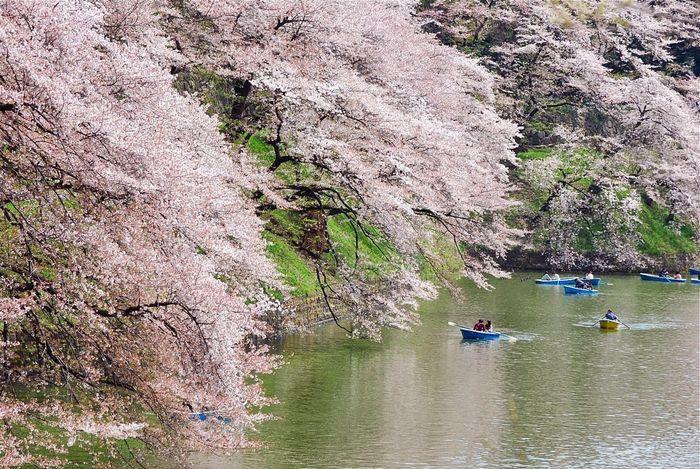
(628, 327)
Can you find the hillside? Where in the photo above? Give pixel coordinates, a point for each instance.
(606, 96)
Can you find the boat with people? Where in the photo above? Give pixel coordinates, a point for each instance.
(609, 324)
(481, 331)
(561, 281)
(660, 278)
(470, 334)
(569, 290)
(595, 281)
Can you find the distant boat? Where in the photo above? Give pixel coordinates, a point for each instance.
(694, 271)
(566, 281)
(659, 278)
(569, 290)
(609, 324)
(471, 334)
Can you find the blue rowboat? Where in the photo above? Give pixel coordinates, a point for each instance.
(566, 281)
(471, 334)
(658, 278)
(695, 281)
(561, 281)
(578, 291)
(694, 271)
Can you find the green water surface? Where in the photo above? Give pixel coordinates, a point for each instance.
(562, 395)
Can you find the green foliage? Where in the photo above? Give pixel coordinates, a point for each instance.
(579, 161)
(260, 148)
(540, 126)
(87, 451)
(586, 236)
(295, 271)
(368, 245)
(290, 172)
(440, 260)
(658, 238)
(291, 232)
(535, 154)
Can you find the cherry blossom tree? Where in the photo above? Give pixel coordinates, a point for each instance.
(132, 256)
(384, 127)
(131, 259)
(133, 273)
(617, 78)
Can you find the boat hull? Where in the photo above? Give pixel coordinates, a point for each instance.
(695, 281)
(609, 324)
(562, 281)
(658, 278)
(578, 291)
(694, 271)
(471, 334)
(565, 281)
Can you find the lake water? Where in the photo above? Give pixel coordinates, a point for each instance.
(561, 395)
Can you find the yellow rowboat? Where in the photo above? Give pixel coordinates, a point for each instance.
(609, 324)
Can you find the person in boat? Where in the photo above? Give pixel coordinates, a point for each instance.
(589, 275)
(488, 327)
(579, 283)
(555, 276)
(546, 276)
(610, 315)
(588, 285)
(664, 273)
(479, 326)
(678, 276)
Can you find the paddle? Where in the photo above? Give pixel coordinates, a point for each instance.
(506, 336)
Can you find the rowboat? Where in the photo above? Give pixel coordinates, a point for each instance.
(566, 281)
(695, 281)
(579, 291)
(694, 271)
(471, 334)
(659, 278)
(609, 324)
(561, 281)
